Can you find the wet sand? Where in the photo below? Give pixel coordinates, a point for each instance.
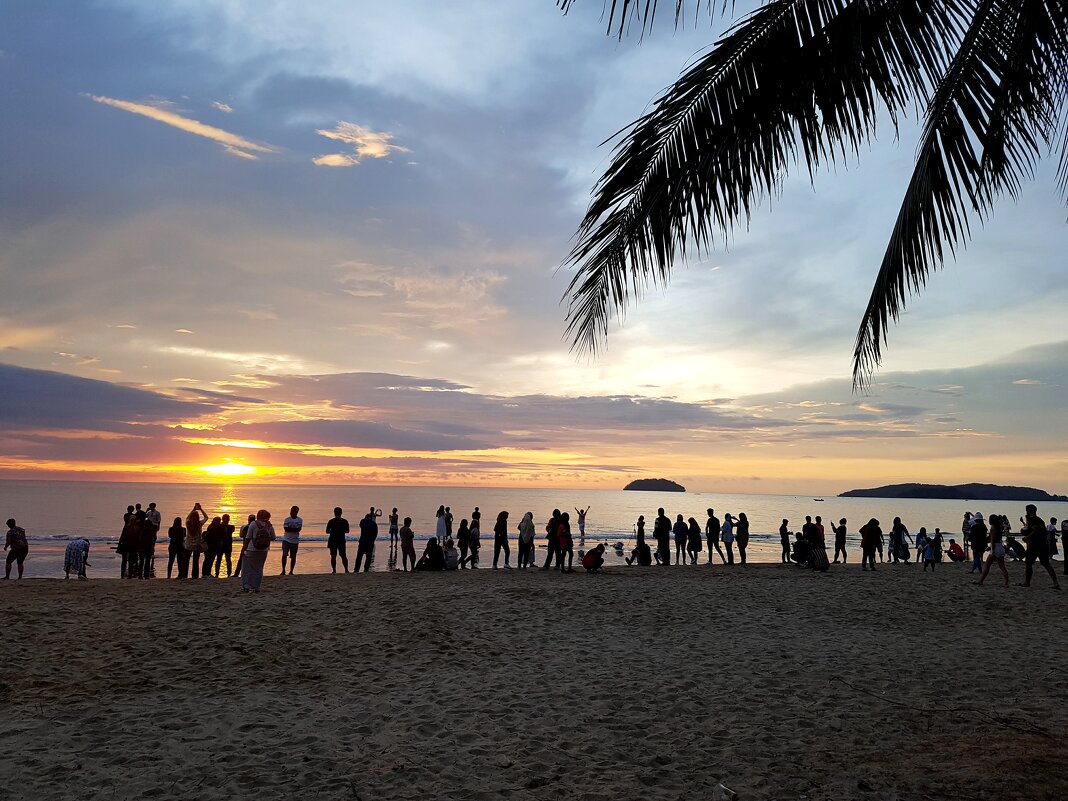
(640, 683)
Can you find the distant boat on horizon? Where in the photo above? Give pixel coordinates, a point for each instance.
(818, 500)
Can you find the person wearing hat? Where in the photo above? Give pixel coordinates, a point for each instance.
(977, 539)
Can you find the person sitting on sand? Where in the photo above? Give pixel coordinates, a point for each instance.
(452, 556)
(407, 544)
(76, 558)
(693, 540)
(17, 547)
(593, 559)
(955, 552)
(642, 554)
(433, 556)
(802, 552)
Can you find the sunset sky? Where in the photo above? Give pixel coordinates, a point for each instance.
(321, 242)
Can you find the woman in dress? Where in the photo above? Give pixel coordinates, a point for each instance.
(693, 540)
(254, 550)
(741, 534)
(440, 529)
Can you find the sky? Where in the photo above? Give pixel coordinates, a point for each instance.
(291, 242)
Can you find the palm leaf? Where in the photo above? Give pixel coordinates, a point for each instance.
(993, 111)
(623, 14)
(796, 80)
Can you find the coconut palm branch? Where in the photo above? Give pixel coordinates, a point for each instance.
(804, 81)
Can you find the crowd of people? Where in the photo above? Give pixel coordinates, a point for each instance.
(198, 545)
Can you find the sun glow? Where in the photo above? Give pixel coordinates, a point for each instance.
(228, 469)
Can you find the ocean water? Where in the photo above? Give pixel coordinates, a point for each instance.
(53, 512)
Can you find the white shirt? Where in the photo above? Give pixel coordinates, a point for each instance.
(153, 516)
(292, 527)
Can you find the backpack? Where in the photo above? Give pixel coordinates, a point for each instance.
(261, 537)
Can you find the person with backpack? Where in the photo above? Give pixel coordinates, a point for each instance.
(977, 539)
(258, 538)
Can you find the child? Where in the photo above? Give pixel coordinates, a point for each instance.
(930, 552)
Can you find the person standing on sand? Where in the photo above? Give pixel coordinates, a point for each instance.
(258, 538)
(17, 548)
(241, 536)
(463, 540)
(175, 538)
(475, 537)
(728, 537)
(1037, 546)
(291, 527)
(997, 550)
(213, 535)
(680, 531)
(741, 535)
(662, 535)
(155, 520)
(978, 535)
(407, 544)
(439, 530)
(566, 546)
(871, 541)
(784, 542)
(365, 550)
(448, 523)
(130, 547)
(337, 528)
(1064, 543)
(500, 540)
(712, 533)
(194, 541)
(526, 541)
(840, 541)
(552, 541)
(693, 540)
(394, 527)
(76, 558)
(582, 523)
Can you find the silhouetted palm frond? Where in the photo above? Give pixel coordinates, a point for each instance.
(623, 14)
(803, 81)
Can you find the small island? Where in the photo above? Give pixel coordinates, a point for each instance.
(655, 485)
(956, 492)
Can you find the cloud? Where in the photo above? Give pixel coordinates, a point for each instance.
(366, 144)
(225, 107)
(232, 143)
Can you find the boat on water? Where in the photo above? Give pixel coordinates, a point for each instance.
(818, 500)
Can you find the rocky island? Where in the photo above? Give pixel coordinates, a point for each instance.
(655, 485)
(956, 492)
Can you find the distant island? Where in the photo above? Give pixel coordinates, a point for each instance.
(655, 485)
(957, 492)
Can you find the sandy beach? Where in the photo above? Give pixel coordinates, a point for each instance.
(654, 683)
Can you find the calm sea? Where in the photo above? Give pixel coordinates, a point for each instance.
(54, 511)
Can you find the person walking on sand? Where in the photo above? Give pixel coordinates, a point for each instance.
(337, 528)
(76, 558)
(784, 542)
(582, 523)
(526, 541)
(194, 541)
(17, 548)
(871, 541)
(175, 539)
(394, 528)
(840, 541)
(566, 545)
(978, 535)
(741, 535)
(241, 536)
(552, 540)
(681, 532)
(500, 540)
(291, 527)
(258, 538)
(693, 540)
(728, 537)
(365, 549)
(997, 550)
(1037, 539)
(463, 541)
(407, 544)
(712, 533)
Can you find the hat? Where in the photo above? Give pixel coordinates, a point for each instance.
(978, 516)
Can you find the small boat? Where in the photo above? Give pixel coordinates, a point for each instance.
(818, 500)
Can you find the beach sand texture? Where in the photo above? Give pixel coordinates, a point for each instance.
(640, 683)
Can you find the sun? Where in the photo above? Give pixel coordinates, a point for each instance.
(228, 469)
